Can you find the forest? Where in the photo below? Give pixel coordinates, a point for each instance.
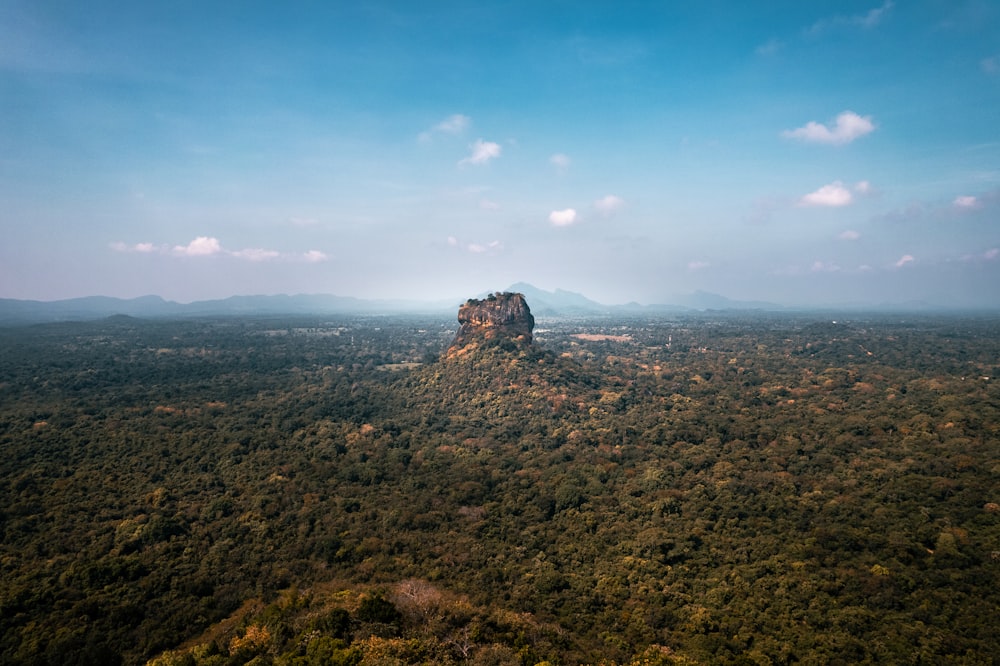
(712, 488)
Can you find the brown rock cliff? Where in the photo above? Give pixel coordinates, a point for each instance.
(499, 316)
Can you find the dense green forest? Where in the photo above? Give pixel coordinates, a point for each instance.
(713, 489)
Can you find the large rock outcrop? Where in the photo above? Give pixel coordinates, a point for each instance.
(498, 317)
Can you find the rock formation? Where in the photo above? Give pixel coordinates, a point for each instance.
(498, 317)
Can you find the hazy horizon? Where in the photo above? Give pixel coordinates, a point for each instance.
(558, 301)
(797, 153)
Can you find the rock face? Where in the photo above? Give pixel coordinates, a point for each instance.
(499, 316)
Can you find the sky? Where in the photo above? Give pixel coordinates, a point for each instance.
(803, 153)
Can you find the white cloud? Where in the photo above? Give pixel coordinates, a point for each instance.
(314, 256)
(697, 265)
(476, 248)
(847, 127)
(824, 267)
(966, 202)
(562, 218)
(874, 16)
(868, 20)
(202, 246)
(863, 187)
(561, 161)
(849, 235)
(144, 248)
(480, 248)
(256, 254)
(905, 259)
(207, 246)
(487, 204)
(834, 194)
(453, 124)
(769, 48)
(990, 65)
(482, 152)
(991, 254)
(609, 204)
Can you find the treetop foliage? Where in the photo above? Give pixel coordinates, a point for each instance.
(653, 491)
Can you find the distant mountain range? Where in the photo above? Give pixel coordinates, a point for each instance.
(542, 303)
(564, 303)
(97, 307)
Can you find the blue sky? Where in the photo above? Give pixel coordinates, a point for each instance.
(797, 152)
